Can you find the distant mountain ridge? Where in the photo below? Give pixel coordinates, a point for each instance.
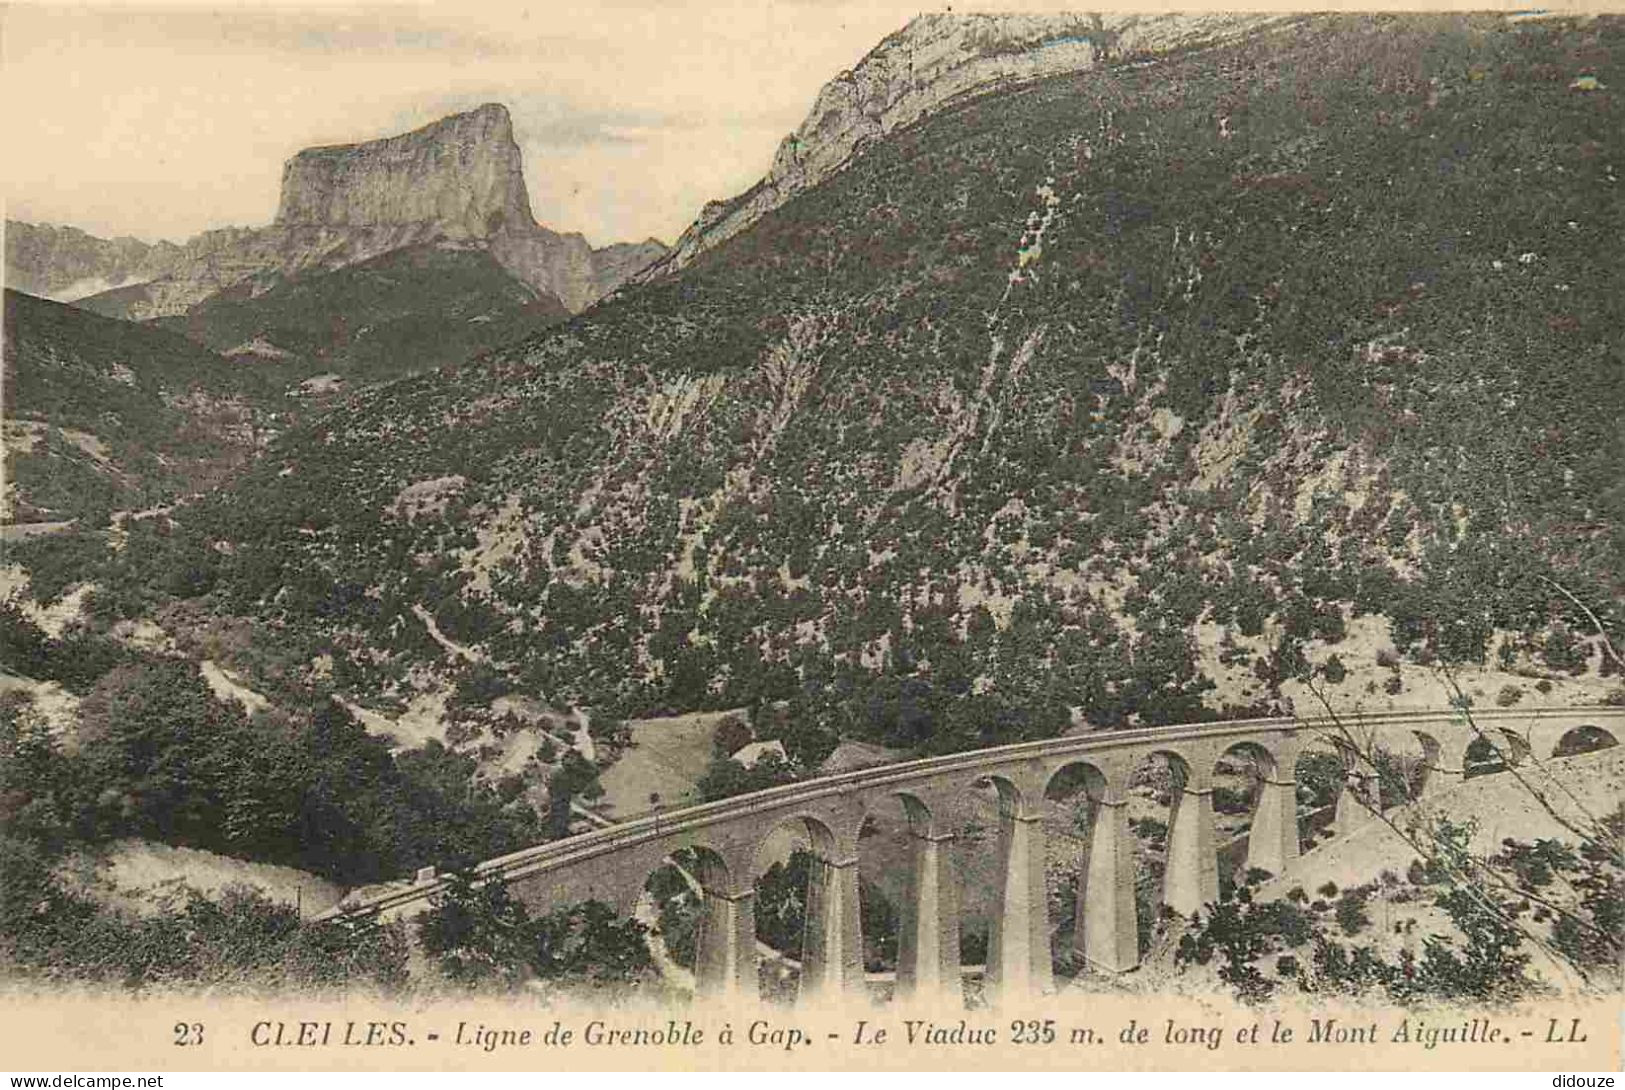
(458, 181)
(65, 263)
(932, 62)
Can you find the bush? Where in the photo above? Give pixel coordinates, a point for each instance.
(732, 735)
(1241, 930)
(1149, 829)
(726, 778)
(1351, 914)
(587, 941)
(482, 938)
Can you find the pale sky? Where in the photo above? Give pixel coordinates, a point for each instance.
(160, 122)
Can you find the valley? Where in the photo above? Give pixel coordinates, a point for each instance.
(1064, 377)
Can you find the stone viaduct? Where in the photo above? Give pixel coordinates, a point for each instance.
(726, 838)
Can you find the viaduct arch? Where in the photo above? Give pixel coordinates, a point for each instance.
(725, 838)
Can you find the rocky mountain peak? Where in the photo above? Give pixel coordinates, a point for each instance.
(462, 175)
(457, 182)
(931, 62)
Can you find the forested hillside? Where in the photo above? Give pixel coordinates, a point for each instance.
(103, 415)
(1262, 337)
(411, 309)
(1113, 396)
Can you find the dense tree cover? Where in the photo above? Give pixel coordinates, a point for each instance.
(408, 310)
(483, 937)
(587, 941)
(76, 658)
(237, 940)
(781, 912)
(159, 757)
(122, 416)
(781, 903)
(725, 778)
(574, 777)
(677, 899)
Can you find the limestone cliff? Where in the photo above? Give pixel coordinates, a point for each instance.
(461, 177)
(933, 61)
(457, 182)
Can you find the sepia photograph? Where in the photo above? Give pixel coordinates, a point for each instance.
(811, 536)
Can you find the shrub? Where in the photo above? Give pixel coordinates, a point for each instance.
(1240, 930)
(726, 778)
(587, 941)
(732, 735)
(1351, 914)
(1149, 828)
(481, 937)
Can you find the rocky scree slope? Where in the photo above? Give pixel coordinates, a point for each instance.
(1066, 399)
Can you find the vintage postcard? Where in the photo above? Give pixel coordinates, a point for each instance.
(709, 535)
